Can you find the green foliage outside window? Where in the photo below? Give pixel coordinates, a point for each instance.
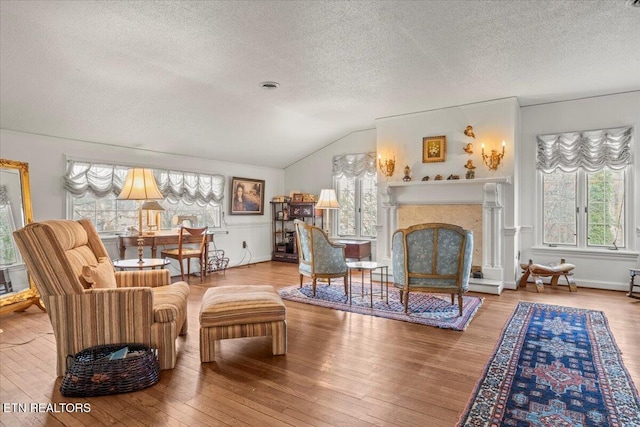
(605, 215)
(602, 211)
(357, 216)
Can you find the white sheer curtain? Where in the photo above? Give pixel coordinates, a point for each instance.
(354, 165)
(102, 179)
(588, 150)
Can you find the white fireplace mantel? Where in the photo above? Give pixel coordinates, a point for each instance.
(444, 191)
(485, 191)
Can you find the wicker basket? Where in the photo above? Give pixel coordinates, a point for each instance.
(91, 373)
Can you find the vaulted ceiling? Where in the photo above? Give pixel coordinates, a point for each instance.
(183, 76)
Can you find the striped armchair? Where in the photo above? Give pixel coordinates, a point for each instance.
(432, 257)
(128, 307)
(318, 257)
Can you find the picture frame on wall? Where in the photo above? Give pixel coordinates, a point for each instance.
(434, 148)
(247, 196)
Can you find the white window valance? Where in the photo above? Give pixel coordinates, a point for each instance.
(354, 165)
(588, 150)
(102, 179)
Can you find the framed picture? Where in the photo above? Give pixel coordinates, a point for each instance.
(247, 197)
(280, 215)
(297, 197)
(434, 148)
(301, 210)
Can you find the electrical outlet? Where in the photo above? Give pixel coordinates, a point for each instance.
(244, 244)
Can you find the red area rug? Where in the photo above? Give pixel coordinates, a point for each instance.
(554, 366)
(426, 309)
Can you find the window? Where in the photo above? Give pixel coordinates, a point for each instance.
(93, 194)
(601, 216)
(356, 186)
(109, 214)
(584, 200)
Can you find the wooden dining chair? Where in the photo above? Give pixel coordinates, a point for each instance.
(183, 252)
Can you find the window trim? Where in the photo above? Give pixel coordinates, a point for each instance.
(616, 147)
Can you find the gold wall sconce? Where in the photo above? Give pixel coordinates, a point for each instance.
(386, 166)
(493, 160)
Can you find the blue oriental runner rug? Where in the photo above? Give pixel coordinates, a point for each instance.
(554, 366)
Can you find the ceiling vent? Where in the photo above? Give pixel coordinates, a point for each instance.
(269, 85)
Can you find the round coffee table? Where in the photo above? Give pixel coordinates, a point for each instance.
(123, 264)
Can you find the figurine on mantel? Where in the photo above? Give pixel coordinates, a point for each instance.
(407, 174)
(471, 173)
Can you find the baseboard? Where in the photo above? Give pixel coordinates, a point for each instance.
(486, 286)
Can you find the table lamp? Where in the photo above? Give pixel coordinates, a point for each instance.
(328, 200)
(140, 185)
(153, 209)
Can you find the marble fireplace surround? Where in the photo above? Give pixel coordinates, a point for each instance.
(479, 203)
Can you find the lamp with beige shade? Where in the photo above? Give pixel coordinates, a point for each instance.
(140, 185)
(328, 201)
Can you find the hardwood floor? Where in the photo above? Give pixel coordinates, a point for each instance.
(341, 369)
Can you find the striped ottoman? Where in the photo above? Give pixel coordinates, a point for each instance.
(241, 311)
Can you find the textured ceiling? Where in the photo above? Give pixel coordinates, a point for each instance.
(182, 77)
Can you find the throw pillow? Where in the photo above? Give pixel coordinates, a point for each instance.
(101, 275)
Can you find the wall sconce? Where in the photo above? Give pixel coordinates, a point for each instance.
(493, 160)
(387, 166)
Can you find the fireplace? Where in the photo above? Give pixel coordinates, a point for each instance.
(475, 204)
(467, 216)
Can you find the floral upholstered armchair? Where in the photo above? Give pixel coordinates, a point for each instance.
(89, 303)
(432, 258)
(318, 257)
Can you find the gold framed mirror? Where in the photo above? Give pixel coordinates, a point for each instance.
(17, 291)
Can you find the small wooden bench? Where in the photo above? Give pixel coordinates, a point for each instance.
(538, 271)
(241, 311)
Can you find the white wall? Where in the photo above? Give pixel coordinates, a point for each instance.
(493, 122)
(608, 270)
(47, 162)
(314, 172)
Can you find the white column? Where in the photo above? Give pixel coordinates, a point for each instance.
(492, 231)
(389, 223)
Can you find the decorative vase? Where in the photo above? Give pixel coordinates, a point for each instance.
(407, 173)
